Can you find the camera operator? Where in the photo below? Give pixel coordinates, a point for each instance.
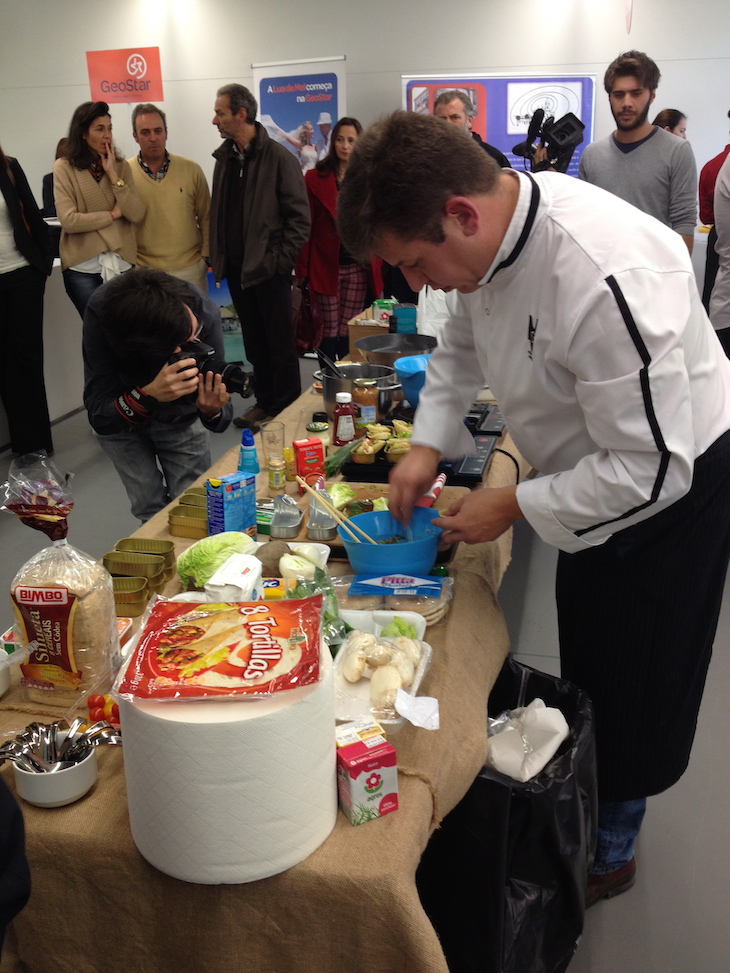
(148, 403)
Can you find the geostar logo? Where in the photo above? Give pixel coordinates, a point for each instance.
(125, 75)
(136, 66)
(41, 596)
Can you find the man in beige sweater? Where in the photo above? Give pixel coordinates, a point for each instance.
(174, 233)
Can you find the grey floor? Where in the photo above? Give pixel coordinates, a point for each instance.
(677, 917)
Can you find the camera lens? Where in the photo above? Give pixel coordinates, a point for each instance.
(236, 379)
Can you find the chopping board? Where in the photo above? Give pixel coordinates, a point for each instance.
(372, 491)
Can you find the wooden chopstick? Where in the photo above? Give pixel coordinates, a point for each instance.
(349, 525)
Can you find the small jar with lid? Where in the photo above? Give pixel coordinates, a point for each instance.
(277, 475)
(365, 395)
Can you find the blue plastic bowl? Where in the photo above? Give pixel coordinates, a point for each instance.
(415, 557)
(411, 372)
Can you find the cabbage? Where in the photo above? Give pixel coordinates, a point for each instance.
(399, 626)
(380, 504)
(198, 564)
(340, 495)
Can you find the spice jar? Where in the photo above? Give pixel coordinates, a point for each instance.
(365, 394)
(277, 475)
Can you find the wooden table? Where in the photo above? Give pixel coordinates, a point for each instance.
(351, 907)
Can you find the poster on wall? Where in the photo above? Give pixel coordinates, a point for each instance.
(503, 105)
(299, 102)
(128, 76)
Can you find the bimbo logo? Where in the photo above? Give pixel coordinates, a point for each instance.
(41, 596)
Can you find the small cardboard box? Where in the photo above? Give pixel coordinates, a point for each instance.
(367, 773)
(232, 503)
(363, 326)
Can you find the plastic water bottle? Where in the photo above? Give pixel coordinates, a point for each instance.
(248, 461)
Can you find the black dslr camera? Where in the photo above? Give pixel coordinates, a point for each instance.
(559, 138)
(234, 377)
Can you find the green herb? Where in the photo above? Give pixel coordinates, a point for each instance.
(335, 461)
(361, 814)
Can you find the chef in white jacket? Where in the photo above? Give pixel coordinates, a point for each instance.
(582, 315)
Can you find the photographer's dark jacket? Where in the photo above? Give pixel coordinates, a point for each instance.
(276, 216)
(112, 382)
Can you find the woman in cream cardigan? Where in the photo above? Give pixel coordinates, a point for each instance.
(96, 203)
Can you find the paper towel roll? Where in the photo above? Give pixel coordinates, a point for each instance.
(231, 791)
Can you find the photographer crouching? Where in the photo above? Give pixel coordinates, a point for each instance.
(156, 382)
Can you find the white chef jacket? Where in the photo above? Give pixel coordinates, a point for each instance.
(589, 329)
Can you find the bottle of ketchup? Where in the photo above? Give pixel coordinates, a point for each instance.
(343, 420)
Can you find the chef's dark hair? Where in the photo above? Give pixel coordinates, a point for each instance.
(402, 172)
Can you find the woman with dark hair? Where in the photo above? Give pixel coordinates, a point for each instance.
(25, 262)
(338, 283)
(672, 121)
(96, 203)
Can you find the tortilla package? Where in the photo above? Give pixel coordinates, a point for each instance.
(62, 598)
(240, 649)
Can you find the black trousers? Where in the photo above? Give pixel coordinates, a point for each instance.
(269, 337)
(22, 386)
(712, 264)
(637, 618)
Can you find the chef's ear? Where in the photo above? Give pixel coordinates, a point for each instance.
(463, 211)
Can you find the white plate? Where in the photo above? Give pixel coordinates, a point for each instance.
(352, 699)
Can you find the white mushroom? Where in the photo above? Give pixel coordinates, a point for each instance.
(353, 664)
(405, 667)
(385, 683)
(413, 648)
(379, 654)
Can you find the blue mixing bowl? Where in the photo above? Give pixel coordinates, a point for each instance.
(415, 557)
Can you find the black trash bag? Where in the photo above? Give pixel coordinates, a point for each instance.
(503, 880)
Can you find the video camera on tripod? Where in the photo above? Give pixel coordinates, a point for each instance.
(559, 138)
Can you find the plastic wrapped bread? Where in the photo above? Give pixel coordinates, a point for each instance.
(62, 598)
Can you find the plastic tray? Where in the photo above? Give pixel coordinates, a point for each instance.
(352, 700)
(133, 564)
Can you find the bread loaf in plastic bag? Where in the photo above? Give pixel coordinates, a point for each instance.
(62, 598)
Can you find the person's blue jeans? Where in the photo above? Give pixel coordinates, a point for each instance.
(80, 287)
(157, 461)
(619, 823)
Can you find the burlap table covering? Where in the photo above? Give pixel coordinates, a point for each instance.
(98, 906)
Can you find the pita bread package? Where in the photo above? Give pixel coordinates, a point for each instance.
(62, 598)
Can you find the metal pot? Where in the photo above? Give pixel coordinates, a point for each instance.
(384, 349)
(388, 385)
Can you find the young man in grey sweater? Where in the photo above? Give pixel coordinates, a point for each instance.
(647, 166)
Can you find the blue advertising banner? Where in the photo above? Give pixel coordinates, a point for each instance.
(504, 105)
(299, 102)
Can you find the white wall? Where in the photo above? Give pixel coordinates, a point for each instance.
(206, 43)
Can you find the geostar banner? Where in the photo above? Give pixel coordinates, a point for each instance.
(129, 76)
(299, 102)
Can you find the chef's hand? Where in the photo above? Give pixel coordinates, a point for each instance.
(174, 380)
(482, 515)
(212, 394)
(410, 479)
